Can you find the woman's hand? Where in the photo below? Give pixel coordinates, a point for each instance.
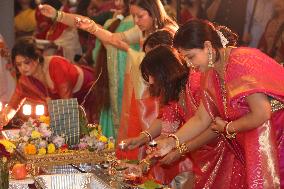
(132, 143)
(86, 24)
(219, 125)
(164, 147)
(171, 157)
(47, 11)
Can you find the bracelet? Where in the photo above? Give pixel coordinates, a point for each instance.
(147, 134)
(183, 149)
(229, 135)
(60, 16)
(176, 139)
(56, 17)
(93, 28)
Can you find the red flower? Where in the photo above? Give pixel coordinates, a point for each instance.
(36, 123)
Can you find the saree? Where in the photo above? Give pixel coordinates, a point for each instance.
(116, 63)
(139, 109)
(64, 76)
(255, 153)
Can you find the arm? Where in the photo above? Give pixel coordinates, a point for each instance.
(154, 131)
(260, 111)
(192, 145)
(192, 128)
(87, 24)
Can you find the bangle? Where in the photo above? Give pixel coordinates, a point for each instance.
(229, 135)
(56, 17)
(176, 139)
(147, 134)
(183, 149)
(93, 28)
(60, 16)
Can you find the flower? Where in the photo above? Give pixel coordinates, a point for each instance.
(3, 151)
(58, 141)
(103, 139)
(35, 134)
(50, 148)
(41, 151)
(30, 149)
(9, 146)
(110, 145)
(44, 119)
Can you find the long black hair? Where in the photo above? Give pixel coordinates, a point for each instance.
(101, 89)
(195, 32)
(168, 70)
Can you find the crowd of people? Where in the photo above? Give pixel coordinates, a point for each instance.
(207, 90)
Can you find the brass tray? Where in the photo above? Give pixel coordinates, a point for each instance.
(71, 157)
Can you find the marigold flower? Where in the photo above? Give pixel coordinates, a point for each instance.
(41, 151)
(50, 148)
(103, 139)
(45, 119)
(9, 146)
(110, 145)
(35, 135)
(30, 149)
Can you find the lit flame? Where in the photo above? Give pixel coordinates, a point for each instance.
(39, 110)
(27, 109)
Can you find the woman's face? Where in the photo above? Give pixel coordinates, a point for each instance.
(26, 66)
(119, 4)
(196, 58)
(141, 18)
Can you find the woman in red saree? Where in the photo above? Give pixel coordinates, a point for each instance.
(42, 78)
(242, 92)
(167, 75)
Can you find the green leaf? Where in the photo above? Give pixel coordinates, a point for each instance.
(150, 184)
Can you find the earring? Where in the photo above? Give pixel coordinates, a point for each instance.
(156, 24)
(189, 63)
(210, 59)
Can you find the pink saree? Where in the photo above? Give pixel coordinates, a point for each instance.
(256, 153)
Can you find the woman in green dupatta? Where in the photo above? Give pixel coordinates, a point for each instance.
(110, 89)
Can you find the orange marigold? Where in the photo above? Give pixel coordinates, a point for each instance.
(30, 149)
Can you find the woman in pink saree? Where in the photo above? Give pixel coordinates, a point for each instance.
(241, 109)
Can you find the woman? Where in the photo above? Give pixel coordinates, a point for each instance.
(64, 40)
(24, 19)
(111, 62)
(149, 15)
(272, 40)
(43, 78)
(167, 75)
(235, 102)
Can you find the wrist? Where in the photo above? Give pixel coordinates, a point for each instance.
(230, 131)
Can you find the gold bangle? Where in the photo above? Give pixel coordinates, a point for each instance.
(93, 28)
(60, 16)
(230, 135)
(56, 17)
(147, 134)
(183, 149)
(176, 139)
